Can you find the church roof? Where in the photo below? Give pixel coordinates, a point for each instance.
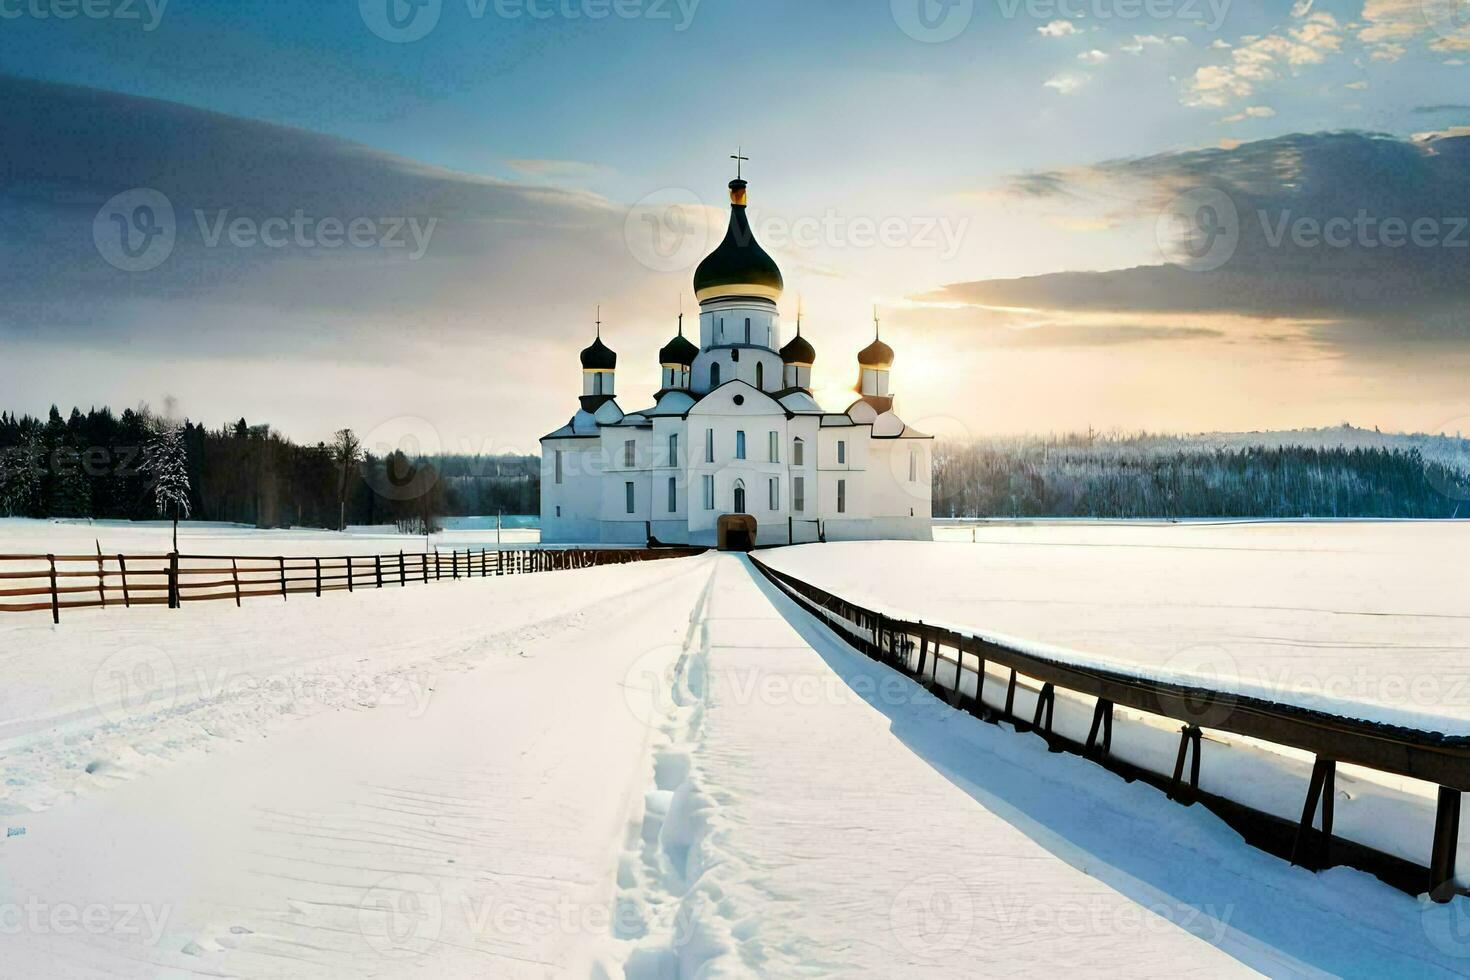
(738, 265)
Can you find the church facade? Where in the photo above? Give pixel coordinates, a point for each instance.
(734, 429)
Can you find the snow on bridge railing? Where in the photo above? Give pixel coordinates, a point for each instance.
(51, 583)
(919, 650)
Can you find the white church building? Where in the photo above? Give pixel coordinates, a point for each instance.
(734, 429)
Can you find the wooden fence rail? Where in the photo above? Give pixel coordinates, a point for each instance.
(918, 649)
(52, 583)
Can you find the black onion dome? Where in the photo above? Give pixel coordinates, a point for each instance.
(798, 351)
(678, 351)
(739, 260)
(877, 354)
(599, 357)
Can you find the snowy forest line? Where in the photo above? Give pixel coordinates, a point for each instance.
(1334, 472)
(92, 465)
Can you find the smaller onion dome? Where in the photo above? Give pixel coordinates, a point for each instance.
(679, 350)
(798, 351)
(599, 357)
(877, 354)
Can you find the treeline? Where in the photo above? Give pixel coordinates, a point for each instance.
(91, 465)
(1149, 476)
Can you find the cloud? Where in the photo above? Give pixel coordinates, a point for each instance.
(1251, 112)
(575, 170)
(1387, 287)
(1257, 61)
(1141, 42)
(1390, 26)
(1093, 57)
(1057, 28)
(1067, 82)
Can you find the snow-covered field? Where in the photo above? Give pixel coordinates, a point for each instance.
(1369, 619)
(655, 770)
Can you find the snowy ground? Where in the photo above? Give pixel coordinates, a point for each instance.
(1370, 619)
(645, 771)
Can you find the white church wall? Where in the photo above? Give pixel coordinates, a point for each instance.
(891, 493)
(757, 417)
(570, 505)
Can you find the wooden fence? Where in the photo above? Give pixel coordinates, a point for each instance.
(918, 650)
(51, 583)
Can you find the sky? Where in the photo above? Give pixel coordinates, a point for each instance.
(404, 215)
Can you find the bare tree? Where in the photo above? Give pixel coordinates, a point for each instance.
(166, 461)
(347, 451)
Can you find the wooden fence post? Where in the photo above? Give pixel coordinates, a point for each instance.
(378, 569)
(122, 567)
(318, 578)
(454, 564)
(349, 573)
(235, 577)
(438, 569)
(283, 577)
(175, 600)
(101, 586)
(55, 602)
(1446, 843)
(402, 575)
(424, 569)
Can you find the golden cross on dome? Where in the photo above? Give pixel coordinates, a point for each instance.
(736, 156)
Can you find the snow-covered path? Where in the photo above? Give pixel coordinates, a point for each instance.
(826, 816)
(658, 770)
(478, 838)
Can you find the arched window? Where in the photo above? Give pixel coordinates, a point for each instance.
(797, 451)
(760, 376)
(714, 375)
(739, 496)
(747, 330)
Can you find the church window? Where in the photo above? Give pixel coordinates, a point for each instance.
(747, 330)
(913, 465)
(673, 449)
(709, 445)
(739, 497)
(714, 375)
(673, 495)
(760, 376)
(841, 496)
(558, 510)
(709, 491)
(740, 444)
(798, 493)
(629, 453)
(841, 452)
(558, 466)
(629, 495)
(775, 493)
(797, 451)
(773, 445)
